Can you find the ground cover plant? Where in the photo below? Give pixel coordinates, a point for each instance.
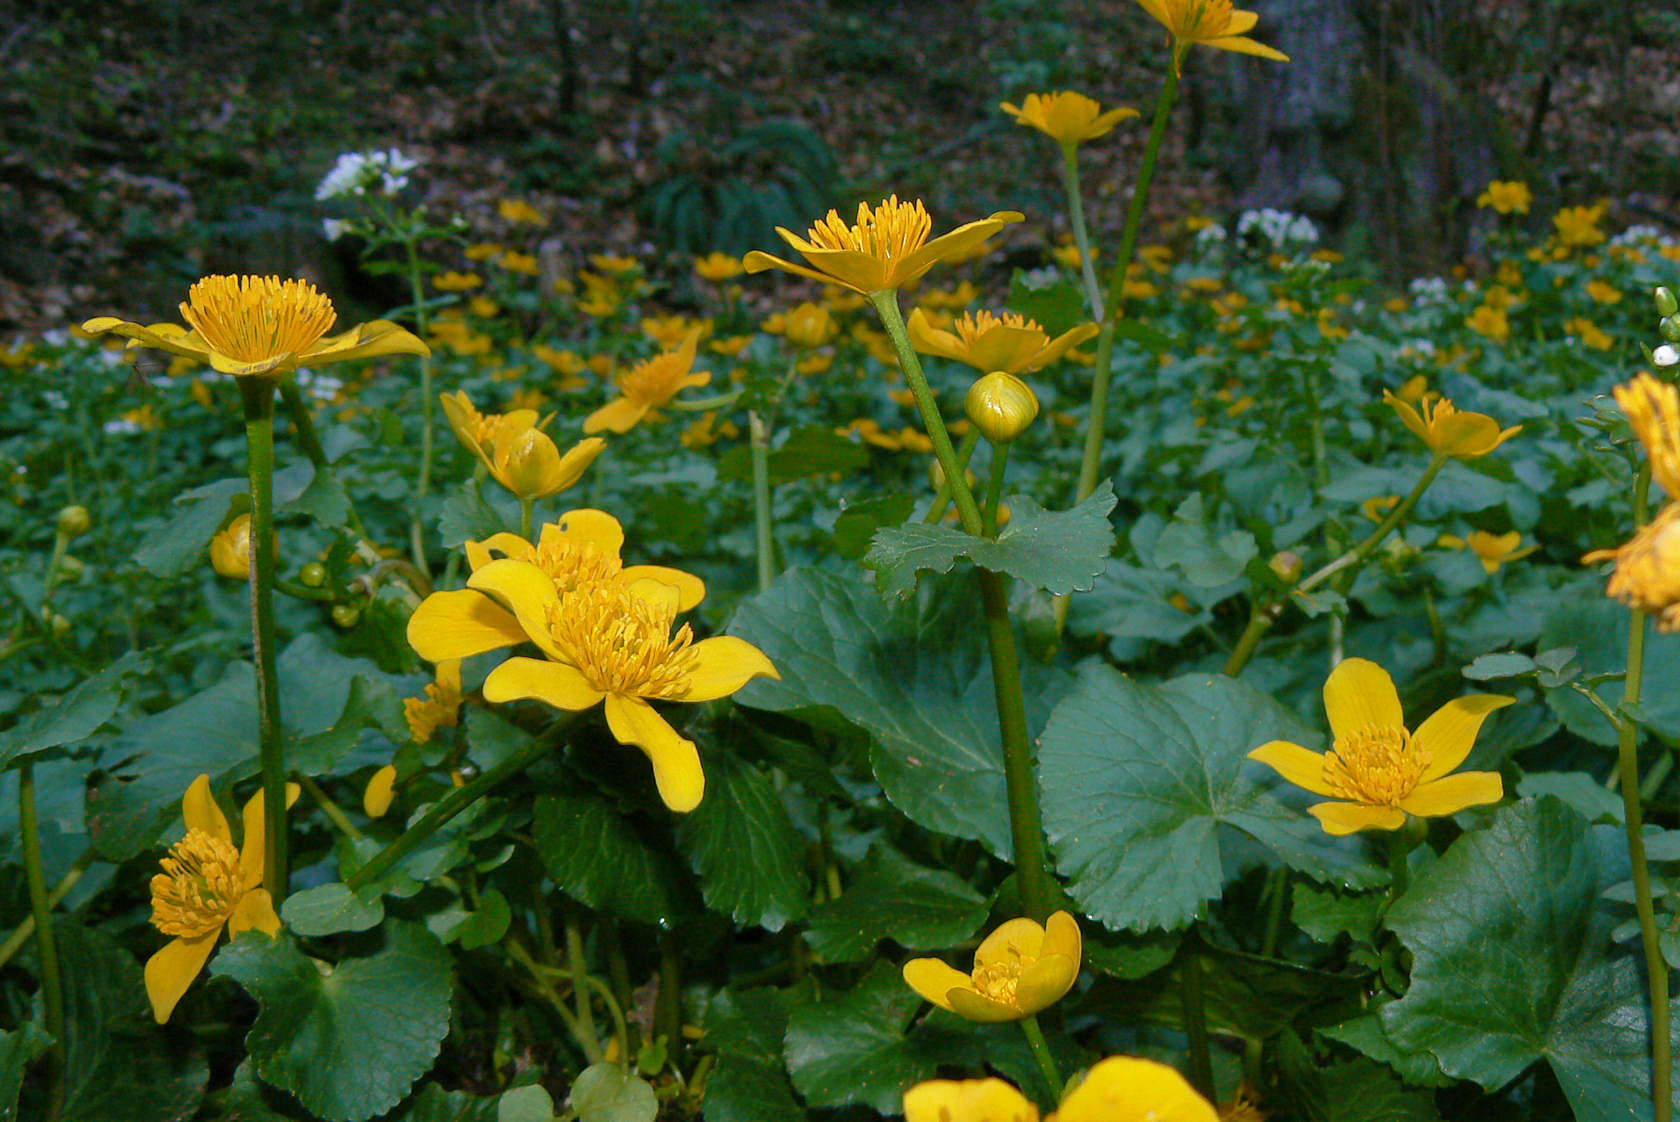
(1183, 678)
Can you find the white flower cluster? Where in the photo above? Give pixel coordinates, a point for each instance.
(356, 173)
(1642, 236)
(1280, 229)
(1429, 290)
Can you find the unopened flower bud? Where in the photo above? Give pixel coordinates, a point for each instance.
(74, 521)
(1667, 305)
(313, 575)
(1669, 326)
(1666, 355)
(69, 569)
(345, 615)
(54, 620)
(230, 550)
(1001, 406)
(1287, 564)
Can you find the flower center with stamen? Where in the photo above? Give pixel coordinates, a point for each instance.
(975, 324)
(1000, 980)
(888, 232)
(253, 319)
(199, 887)
(655, 381)
(1377, 765)
(440, 708)
(574, 565)
(622, 643)
(1206, 19)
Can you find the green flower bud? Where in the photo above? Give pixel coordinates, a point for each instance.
(1669, 326)
(57, 622)
(74, 521)
(1001, 406)
(1287, 564)
(313, 575)
(1667, 305)
(345, 615)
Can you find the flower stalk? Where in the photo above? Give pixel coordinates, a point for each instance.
(759, 442)
(1081, 232)
(46, 951)
(423, 478)
(1041, 1053)
(257, 394)
(1194, 1019)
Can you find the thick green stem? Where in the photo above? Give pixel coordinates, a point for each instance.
(525, 520)
(423, 479)
(25, 930)
(1081, 233)
(994, 488)
(1627, 756)
(258, 396)
(1195, 1019)
(667, 1005)
(46, 952)
(942, 496)
(759, 442)
(447, 808)
(1041, 1052)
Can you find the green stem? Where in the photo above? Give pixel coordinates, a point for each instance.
(667, 1005)
(942, 496)
(618, 969)
(1277, 896)
(46, 952)
(447, 808)
(309, 442)
(1195, 1020)
(258, 396)
(580, 992)
(1081, 233)
(705, 404)
(1041, 1052)
(759, 442)
(525, 505)
(332, 810)
(1627, 756)
(590, 1047)
(25, 930)
(994, 488)
(424, 480)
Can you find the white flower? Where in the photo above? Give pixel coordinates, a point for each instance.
(334, 228)
(1666, 355)
(355, 172)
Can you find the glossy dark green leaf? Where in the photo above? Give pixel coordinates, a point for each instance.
(328, 909)
(74, 716)
(891, 897)
(1598, 628)
(859, 521)
(467, 517)
(349, 1040)
(744, 847)
(606, 1092)
(1328, 913)
(18, 1050)
(1058, 551)
(745, 1028)
(1207, 556)
(182, 542)
(1151, 806)
(602, 858)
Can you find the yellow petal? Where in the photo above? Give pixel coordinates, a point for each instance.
(480, 554)
(1009, 941)
(162, 336)
(1061, 936)
(1299, 765)
(690, 588)
(1450, 733)
(526, 591)
(1130, 1089)
(556, 683)
(931, 340)
(1452, 793)
(954, 244)
(1349, 818)
(251, 857)
(619, 415)
(381, 792)
(1241, 22)
(859, 271)
(200, 811)
(758, 261)
(1044, 982)
(968, 1100)
(460, 624)
(934, 979)
(586, 526)
(1412, 419)
(172, 970)
(1060, 345)
(1360, 693)
(972, 1005)
(376, 337)
(676, 762)
(255, 912)
(1247, 47)
(722, 665)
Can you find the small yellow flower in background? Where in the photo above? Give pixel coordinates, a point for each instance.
(1376, 507)
(441, 705)
(1157, 257)
(1210, 23)
(1507, 196)
(1377, 772)
(1493, 550)
(808, 325)
(1066, 117)
(1413, 389)
(1010, 342)
(961, 296)
(483, 307)
(483, 251)
(1448, 431)
(1589, 333)
(1509, 275)
(230, 549)
(1647, 573)
(457, 282)
(206, 884)
(647, 386)
(1068, 255)
(670, 331)
(520, 456)
(1578, 225)
(1604, 293)
(564, 360)
(1490, 322)
(525, 263)
(380, 792)
(602, 296)
(885, 249)
(717, 266)
(1019, 969)
(815, 363)
(967, 1100)
(707, 429)
(520, 212)
(251, 326)
(1131, 1089)
(730, 347)
(614, 264)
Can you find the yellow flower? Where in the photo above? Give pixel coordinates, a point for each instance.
(1211, 23)
(613, 263)
(249, 326)
(808, 325)
(670, 331)
(457, 282)
(730, 347)
(610, 641)
(886, 248)
(440, 707)
(520, 211)
(1507, 196)
(1413, 390)
(647, 386)
(1450, 432)
(961, 296)
(206, 884)
(1493, 550)
(1578, 225)
(1010, 342)
(483, 251)
(1376, 772)
(1653, 409)
(230, 549)
(1589, 333)
(602, 296)
(1130, 1089)
(1604, 293)
(967, 1100)
(520, 456)
(1019, 969)
(1647, 573)
(1490, 321)
(525, 263)
(1066, 117)
(717, 266)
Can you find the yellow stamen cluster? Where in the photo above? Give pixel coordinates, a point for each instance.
(656, 380)
(440, 708)
(1000, 980)
(972, 325)
(888, 232)
(254, 319)
(1379, 765)
(622, 642)
(572, 565)
(199, 887)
